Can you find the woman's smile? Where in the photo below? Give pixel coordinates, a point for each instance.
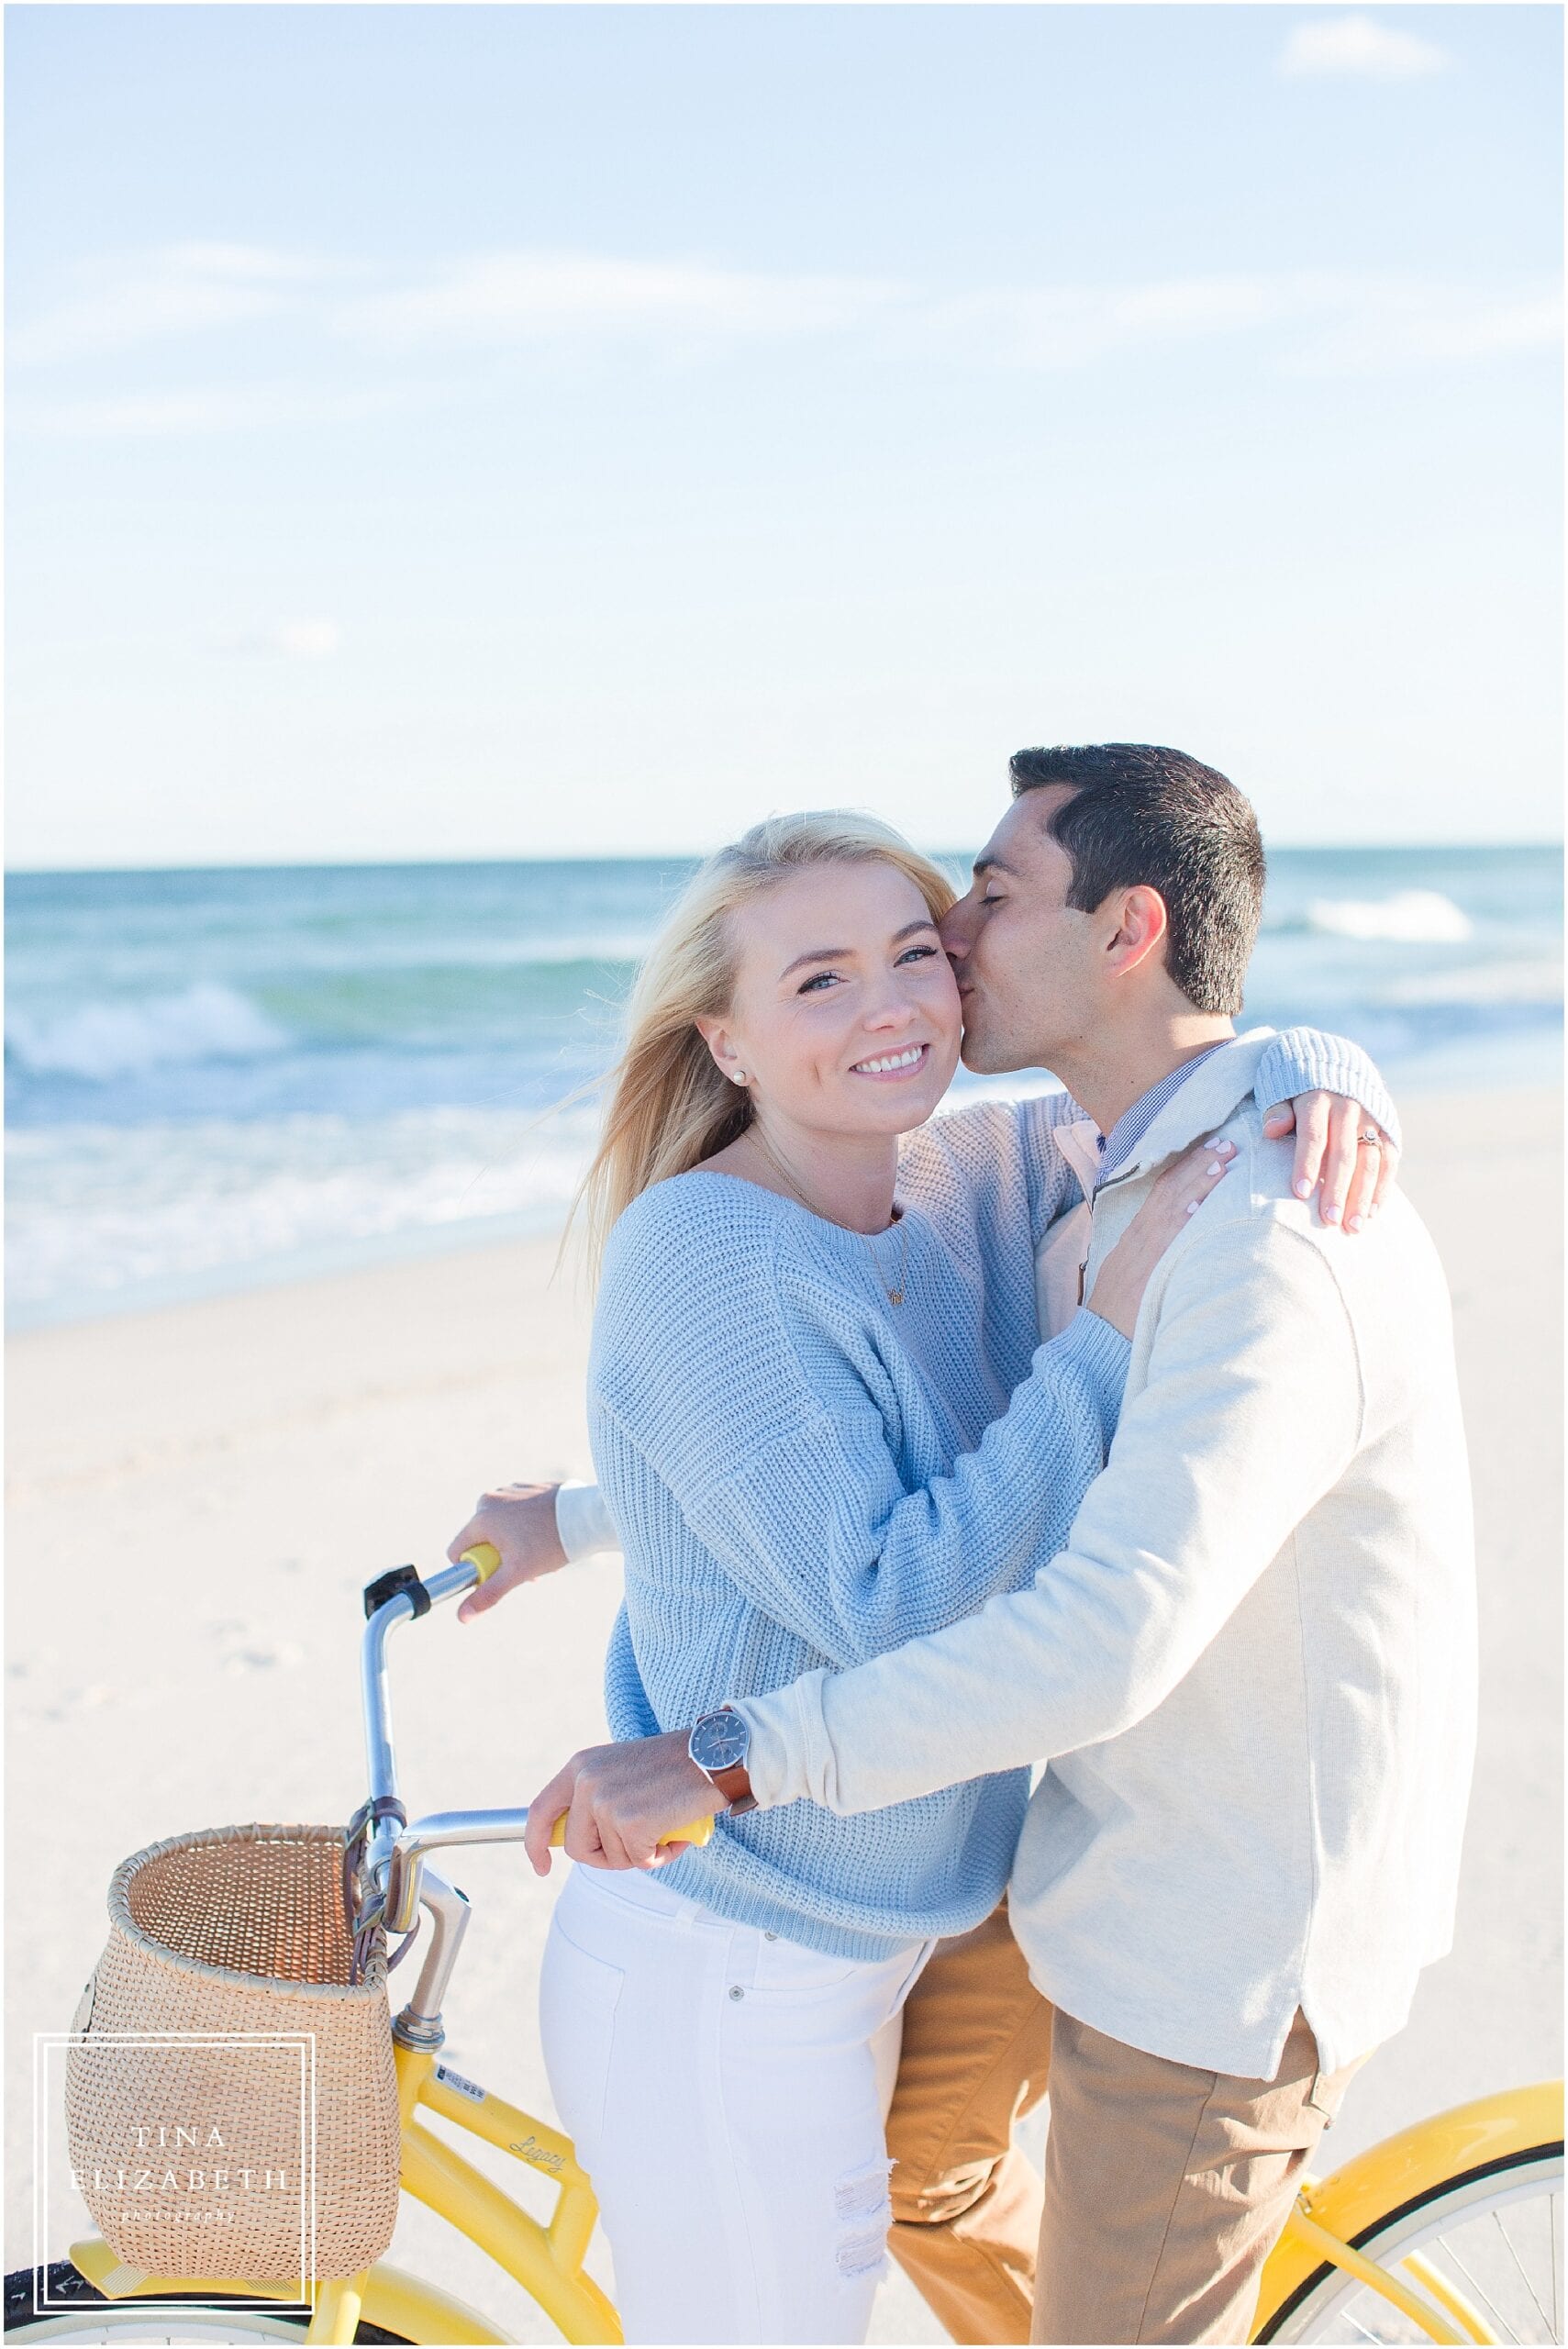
(889, 1068)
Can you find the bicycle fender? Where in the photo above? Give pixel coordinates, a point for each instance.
(394, 2300)
(1403, 2167)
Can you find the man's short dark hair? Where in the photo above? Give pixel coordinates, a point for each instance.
(1141, 816)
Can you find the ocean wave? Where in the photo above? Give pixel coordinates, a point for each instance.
(1501, 985)
(587, 946)
(100, 1041)
(110, 1212)
(1410, 917)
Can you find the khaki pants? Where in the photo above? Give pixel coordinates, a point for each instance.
(1166, 2186)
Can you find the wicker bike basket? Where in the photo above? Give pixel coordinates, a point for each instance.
(230, 2098)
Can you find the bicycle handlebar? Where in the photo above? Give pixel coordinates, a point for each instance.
(475, 1566)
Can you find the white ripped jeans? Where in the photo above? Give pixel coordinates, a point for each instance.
(727, 2092)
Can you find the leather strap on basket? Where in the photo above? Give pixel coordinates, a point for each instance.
(362, 1922)
(404, 1946)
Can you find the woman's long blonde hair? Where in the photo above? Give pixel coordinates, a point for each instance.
(669, 1106)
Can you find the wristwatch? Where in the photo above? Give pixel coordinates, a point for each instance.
(719, 1744)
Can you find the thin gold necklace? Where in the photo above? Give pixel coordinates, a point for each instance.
(894, 1296)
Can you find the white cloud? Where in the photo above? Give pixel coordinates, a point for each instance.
(287, 639)
(1393, 323)
(253, 408)
(518, 296)
(180, 289)
(498, 299)
(1068, 326)
(1317, 321)
(1360, 46)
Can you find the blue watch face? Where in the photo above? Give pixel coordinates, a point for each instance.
(719, 1741)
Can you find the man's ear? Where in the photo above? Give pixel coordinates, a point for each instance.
(1141, 924)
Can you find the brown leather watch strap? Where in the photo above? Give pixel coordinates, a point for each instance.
(735, 1784)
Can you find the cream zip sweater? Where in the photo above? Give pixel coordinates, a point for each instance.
(1251, 1671)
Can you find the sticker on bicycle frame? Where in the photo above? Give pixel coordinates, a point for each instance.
(451, 2079)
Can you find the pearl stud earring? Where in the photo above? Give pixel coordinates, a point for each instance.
(739, 1076)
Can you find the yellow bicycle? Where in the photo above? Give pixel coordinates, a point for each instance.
(1449, 2232)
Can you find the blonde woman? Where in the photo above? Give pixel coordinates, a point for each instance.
(823, 1420)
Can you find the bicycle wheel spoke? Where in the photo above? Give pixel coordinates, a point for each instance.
(1480, 2290)
(1513, 2255)
(1552, 2217)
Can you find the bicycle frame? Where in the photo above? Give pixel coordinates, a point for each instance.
(547, 2261)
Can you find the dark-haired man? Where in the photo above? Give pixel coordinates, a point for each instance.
(1252, 1668)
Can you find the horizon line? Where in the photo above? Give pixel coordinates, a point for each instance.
(672, 856)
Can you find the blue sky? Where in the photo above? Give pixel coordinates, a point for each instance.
(466, 430)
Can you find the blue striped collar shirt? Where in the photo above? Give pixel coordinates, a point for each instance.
(1117, 1147)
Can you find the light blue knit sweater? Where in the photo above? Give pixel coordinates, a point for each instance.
(805, 1475)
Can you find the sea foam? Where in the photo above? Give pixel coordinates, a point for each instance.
(1410, 917)
(101, 1040)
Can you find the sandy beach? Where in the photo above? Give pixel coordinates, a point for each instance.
(197, 1495)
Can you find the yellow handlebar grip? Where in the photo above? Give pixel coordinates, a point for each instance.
(700, 1832)
(486, 1556)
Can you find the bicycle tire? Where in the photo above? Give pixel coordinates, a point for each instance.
(91, 2318)
(1329, 2305)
